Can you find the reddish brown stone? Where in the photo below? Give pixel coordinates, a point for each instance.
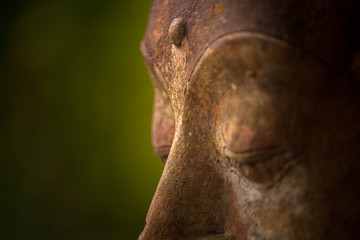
(256, 118)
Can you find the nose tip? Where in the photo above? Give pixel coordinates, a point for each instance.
(189, 200)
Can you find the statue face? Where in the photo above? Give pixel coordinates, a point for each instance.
(259, 138)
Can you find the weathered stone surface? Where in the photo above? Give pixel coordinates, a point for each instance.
(256, 118)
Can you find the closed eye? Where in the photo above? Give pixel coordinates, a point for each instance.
(253, 156)
(264, 165)
(163, 123)
(162, 152)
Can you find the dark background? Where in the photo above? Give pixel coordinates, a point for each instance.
(75, 103)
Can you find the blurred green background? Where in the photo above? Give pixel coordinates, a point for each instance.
(75, 149)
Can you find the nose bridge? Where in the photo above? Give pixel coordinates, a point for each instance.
(189, 200)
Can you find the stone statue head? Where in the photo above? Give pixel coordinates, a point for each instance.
(256, 119)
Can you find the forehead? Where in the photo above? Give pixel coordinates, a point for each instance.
(208, 20)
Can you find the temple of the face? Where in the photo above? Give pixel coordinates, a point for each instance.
(256, 118)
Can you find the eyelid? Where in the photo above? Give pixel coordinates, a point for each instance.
(263, 154)
(162, 151)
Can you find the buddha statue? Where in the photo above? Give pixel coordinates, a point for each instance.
(256, 119)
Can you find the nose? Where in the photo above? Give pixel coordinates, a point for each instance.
(190, 201)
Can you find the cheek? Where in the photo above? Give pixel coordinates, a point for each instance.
(284, 202)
